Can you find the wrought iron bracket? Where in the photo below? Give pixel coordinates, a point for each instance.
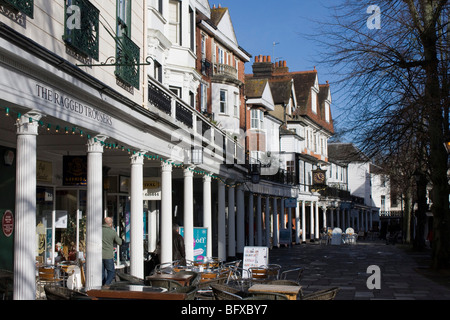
(111, 62)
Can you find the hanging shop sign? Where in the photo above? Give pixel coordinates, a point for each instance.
(8, 223)
(74, 170)
(68, 103)
(152, 189)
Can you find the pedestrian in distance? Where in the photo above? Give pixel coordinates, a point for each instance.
(109, 239)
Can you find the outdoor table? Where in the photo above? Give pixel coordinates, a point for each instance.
(136, 292)
(183, 279)
(290, 291)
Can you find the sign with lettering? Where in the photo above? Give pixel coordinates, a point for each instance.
(74, 170)
(200, 242)
(255, 257)
(152, 189)
(8, 223)
(69, 103)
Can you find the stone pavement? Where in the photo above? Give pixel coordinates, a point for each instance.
(345, 266)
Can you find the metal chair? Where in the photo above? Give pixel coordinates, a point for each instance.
(129, 278)
(62, 293)
(266, 296)
(46, 276)
(224, 292)
(327, 294)
(294, 274)
(258, 274)
(168, 284)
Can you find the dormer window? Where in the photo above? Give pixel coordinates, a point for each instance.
(314, 101)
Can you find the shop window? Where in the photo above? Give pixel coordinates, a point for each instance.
(81, 27)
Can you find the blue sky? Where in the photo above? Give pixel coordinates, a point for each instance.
(260, 23)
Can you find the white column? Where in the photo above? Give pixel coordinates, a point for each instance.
(258, 220)
(240, 220)
(324, 217)
(251, 227)
(231, 223)
(207, 213)
(25, 215)
(267, 221)
(303, 221)
(94, 213)
(137, 216)
(166, 212)
(316, 218)
(297, 223)
(276, 236)
(311, 225)
(222, 246)
(189, 213)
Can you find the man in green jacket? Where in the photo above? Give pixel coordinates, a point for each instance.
(109, 239)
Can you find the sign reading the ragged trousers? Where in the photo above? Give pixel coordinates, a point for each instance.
(64, 101)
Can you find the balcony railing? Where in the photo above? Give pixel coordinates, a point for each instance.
(24, 6)
(225, 70)
(158, 98)
(183, 114)
(215, 141)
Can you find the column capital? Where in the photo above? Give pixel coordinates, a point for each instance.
(187, 172)
(138, 158)
(95, 144)
(29, 123)
(166, 166)
(206, 178)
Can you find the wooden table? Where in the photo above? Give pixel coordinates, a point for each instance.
(184, 279)
(290, 291)
(136, 292)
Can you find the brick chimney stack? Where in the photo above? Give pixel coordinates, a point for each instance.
(263, 67)
(280, 67)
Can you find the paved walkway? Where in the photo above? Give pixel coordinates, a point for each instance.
(345, 266)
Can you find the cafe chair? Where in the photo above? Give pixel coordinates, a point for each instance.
(63, 293)
(327, 294)
(168, 284)
(190, 291)
(258, 274)
(195, 277)
(204, 287)
(47, 276)
(224, 292)
(129, 278)
(273, 271)
(283, 282)
(266, 296)
(6, 284)
(293, 274)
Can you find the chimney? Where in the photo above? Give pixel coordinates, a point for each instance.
(280, 67)
(262, 67)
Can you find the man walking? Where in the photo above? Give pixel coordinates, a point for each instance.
(109, 239)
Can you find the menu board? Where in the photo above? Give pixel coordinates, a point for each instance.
(255, 257)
